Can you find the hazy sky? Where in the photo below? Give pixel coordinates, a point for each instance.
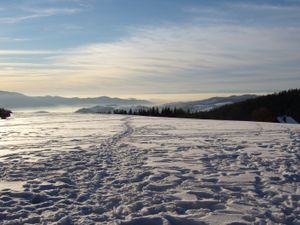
(135, 47)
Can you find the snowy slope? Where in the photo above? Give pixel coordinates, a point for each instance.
(110, 169)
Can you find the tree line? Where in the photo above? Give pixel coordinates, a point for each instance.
(155, 111)
(264, 108)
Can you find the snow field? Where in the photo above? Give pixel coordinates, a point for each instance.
(109, 169)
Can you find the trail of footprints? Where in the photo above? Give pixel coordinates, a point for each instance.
(112, 184)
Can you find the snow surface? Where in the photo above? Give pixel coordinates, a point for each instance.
(112, 169)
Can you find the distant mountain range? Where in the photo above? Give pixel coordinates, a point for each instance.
(193, 106)
(283, 107)
(208, 104)
(14, 100)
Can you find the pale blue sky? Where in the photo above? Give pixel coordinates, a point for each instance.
(138, 47)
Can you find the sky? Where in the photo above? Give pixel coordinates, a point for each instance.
(138, 48)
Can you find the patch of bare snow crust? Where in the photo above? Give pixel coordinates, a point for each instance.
(128, 170)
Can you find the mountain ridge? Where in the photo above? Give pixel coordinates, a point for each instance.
(18, 100)
(191, 106)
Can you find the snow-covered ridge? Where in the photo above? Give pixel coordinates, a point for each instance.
(110, 169)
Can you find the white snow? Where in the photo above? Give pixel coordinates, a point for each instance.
(112, 169)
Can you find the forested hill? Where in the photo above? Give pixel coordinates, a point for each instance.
(265, 108)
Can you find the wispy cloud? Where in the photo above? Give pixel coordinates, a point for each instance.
(172, 57)
(54, 11)
(13, 52)
(262, 7)
(247, 13)
(175, 49)
(11, 20)
(14, 39)
(34, 13)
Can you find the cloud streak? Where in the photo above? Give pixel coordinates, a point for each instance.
(38, 13)
(187, 56)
